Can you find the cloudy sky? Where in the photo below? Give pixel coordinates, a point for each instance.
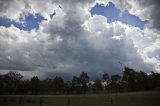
(65, 37)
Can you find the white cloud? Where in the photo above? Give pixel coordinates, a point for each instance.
(73, 41)
(11, 8)
(144, 9)
(115, 41)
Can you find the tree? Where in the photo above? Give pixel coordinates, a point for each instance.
(46, 85)
(97, 86)
(35, 85)
(154, 81)
(1, 84)
(84, 79)
(12, 81)
(76, 84)
(129, 76)
(115, 83)
(141, 81)
(58, 84)
(115, 78)
(75, 81)
(68, 86)
(105, 77)
(24, 87)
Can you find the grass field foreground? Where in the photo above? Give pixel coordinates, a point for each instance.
(144, 99)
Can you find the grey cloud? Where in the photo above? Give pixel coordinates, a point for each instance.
(4, 5)
(77, 50)
(154, 54)
(154, 13)
(145, 9)
(12, 8)
(80, 51)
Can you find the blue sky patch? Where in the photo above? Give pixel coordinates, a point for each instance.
(114, 14)
(28, 23)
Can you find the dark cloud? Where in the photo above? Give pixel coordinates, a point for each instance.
(155, 11)
(80, 49)
(69, 43)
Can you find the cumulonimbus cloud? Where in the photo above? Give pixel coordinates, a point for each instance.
(74, 41)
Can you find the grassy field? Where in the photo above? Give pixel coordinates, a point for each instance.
(139, 99)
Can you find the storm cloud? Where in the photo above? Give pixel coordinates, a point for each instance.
(74, 41)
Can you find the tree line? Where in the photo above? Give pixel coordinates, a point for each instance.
(131, 80)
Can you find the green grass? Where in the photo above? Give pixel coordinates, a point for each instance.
(118, 100)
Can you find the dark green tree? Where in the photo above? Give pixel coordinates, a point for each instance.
(105, 77)
(58, 84)
(24, 87)
(97, 86)
(115, 78)
(76, 87)
(68, 86)
(12, 81)
(141, 81)
(154, 81)
(46, 86)
(115, 83)
(84, 79)
(35, 85)
(2, 90)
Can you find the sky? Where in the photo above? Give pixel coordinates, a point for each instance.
(114, 14)
(64, 38)
(28, 23)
